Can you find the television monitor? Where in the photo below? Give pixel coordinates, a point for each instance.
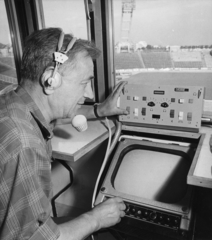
(151, 178)
(152, 174)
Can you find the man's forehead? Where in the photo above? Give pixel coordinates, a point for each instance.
(81, 61)
(83, 55)
(84, 58)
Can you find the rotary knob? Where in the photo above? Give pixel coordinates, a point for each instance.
(146, 214)
(138, 214)
(153, 215)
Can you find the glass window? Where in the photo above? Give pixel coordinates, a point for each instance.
(66, 14)
(7, 64)
(162, 35)
(69, 15)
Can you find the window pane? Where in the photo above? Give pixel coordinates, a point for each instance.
(70, 16)
(7, 64)
(66, 14)
(162, 35)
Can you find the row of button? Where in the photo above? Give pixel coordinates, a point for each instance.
(181, 100)
(152, 216)
(172, 113)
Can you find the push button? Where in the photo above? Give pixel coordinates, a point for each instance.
(180, 115)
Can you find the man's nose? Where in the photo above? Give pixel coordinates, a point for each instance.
(88, 91)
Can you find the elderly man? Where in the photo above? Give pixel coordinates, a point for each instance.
(56, 74)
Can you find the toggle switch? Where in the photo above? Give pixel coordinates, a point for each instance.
(135, 112)
(135, 98)
(180, 116)
(143, 111)
(181, 100)
(172, 113)
(189, 116)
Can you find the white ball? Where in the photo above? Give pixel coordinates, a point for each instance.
(79, 122)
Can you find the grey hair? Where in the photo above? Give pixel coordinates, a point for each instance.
(40, 47)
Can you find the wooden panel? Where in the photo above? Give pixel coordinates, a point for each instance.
(200, 173)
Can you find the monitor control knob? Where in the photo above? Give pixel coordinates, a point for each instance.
(139, 213)
(133, 210)
(153, 215)
(127, 210)
(146, 213)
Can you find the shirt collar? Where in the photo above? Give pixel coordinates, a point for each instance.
(35, 112)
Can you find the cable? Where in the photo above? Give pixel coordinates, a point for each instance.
(110, 147)
(103, 164)
(116, 135)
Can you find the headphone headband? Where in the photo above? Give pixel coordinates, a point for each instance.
(60, 56)
(51, 78)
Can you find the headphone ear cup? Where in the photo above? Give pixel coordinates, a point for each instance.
(48, 81)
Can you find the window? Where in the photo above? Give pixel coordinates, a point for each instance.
(68, 15)
(162, 35)
(71, 17)
(8, 73)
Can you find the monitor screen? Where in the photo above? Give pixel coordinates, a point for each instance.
(154, 175)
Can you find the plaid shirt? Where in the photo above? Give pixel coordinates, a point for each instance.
(25, 170)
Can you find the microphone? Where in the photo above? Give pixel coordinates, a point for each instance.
(79, 122)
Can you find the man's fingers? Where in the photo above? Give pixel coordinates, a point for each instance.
(122, 214)
(119, 87)
(119, 200)
(122, 206)
(122, 111)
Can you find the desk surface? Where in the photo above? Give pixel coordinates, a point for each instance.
(69, 144)
(200, 173)
(203, 166)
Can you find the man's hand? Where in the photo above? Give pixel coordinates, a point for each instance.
(104, 215)
(109, 106)
(109, 212)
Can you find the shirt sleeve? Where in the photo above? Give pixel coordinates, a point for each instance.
(25, 195)
(46, 231)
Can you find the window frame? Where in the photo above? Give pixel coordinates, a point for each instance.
(15, 34)
(94, 23)
(108, 31)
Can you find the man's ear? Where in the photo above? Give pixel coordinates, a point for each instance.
(50, 82)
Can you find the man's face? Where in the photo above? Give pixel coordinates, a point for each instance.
(76, 86)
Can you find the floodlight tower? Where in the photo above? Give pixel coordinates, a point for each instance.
(127, 12)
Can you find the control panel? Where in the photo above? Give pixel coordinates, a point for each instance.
(153, 216)
(168, 106)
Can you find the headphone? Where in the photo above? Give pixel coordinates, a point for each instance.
(51, 78)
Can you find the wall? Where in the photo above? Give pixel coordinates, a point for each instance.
(77, 199)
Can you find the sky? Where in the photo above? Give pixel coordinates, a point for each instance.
(157, 22)
(168, 22)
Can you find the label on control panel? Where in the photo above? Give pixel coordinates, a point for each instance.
(167, 106)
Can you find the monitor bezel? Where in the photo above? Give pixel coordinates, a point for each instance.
(108, 190)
